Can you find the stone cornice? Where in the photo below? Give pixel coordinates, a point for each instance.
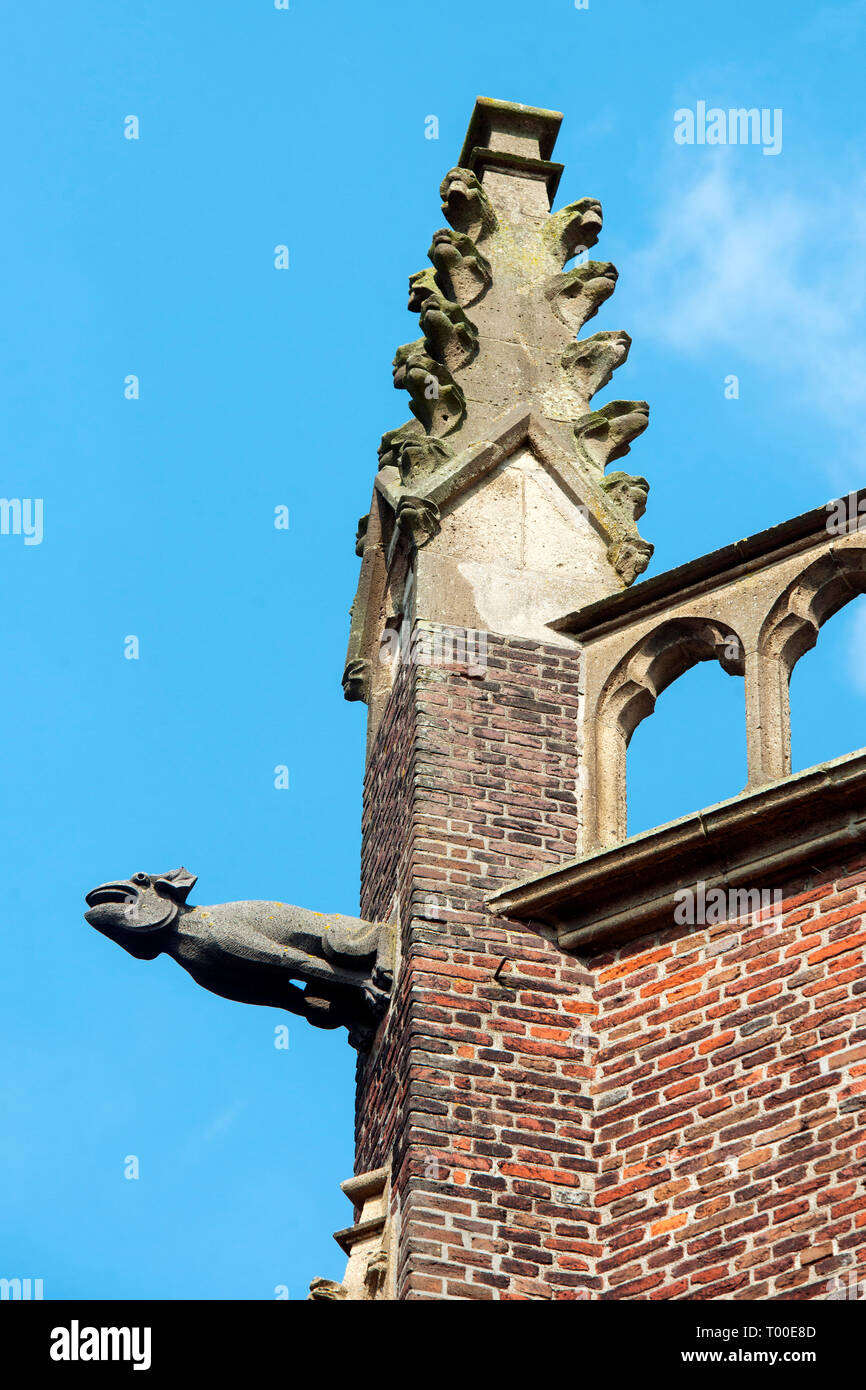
(491, 116)
(751, 841)
(518, 165)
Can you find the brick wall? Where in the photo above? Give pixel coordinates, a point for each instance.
(478, 1070)
(729, 1097)
(678, 1119)
(386, 868)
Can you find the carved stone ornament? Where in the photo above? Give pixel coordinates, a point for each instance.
(466, 206)
(627, 492)
(254, 952)
(436, 399)
(356, 676)
(368, 1244)
(607, 434)
(502, 310)
(630, 557)
(577, 295)
(591, 362)
(458, 262)
(418, 518)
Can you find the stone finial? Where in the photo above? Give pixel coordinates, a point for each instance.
(493, 507)
(514, 140)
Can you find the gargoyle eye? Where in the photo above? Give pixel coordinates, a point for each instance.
(140, 878)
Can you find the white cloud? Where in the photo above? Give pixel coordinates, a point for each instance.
(835, 22)
(778, 278)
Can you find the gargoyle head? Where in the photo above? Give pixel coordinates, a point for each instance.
(421, 286)
(577, 295)
(136, 912)
(575, 228)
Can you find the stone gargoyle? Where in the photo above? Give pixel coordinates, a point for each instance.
(356, 679)
(252, 952)
(418, 518)
(591, 362)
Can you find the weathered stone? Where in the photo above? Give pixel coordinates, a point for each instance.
(607, 434)
(466, 206)
(436, 399)
(326, 1291)
(392, 442)
(628, 492)
(449, 336)
(467, 377)
(630, 557)
(574, 228)
(418, 518)
(460, 264)
(591, 362)
(576, 295)
(253, 951)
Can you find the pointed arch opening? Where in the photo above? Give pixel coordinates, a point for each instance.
(691, 754)
(828, 693)
(629, 695)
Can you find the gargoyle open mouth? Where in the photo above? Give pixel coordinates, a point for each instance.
(110, 893)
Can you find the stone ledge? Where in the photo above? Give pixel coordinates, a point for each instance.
(751, 841)
(350, 1236)
(365, 1186)
(369, 1273)
(519, 165)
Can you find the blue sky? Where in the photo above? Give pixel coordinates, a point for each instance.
(259, 388)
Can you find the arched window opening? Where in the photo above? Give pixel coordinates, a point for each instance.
(691, 752)
(828, 691)
(656, 661)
